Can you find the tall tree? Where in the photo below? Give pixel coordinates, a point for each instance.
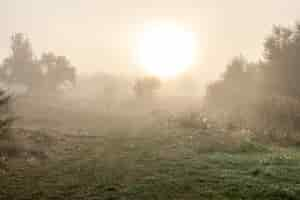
(20, 67)
(281, 52)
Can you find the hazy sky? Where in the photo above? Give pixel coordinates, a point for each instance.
(97, 35)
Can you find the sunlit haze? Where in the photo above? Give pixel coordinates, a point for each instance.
(165, 49)
(149, 99)
(98, 35)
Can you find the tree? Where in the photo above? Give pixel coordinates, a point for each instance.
(44, 75)
(238, 77)
(64, 71)
(235, 70)
(57, 71)
(145, 87)
(21, 48)
(20, 67)
(262, 94)
(281, 52)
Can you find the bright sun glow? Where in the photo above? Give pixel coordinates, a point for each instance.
(165, 49)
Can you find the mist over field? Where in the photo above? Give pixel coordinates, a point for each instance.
(151, 100)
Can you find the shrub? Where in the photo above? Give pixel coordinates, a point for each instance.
(248, 146)
(273, 118)
(6, 119)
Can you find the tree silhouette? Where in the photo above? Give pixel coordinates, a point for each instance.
(20, 66)
(282, 68)
(145, 87)
(44, 75)
(264, 93)
(56, 70)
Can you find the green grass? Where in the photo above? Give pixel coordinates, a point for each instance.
(167, 166)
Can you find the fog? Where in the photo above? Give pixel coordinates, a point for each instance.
(163, 99)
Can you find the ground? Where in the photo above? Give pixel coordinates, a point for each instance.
(174, 164)
(74, 152)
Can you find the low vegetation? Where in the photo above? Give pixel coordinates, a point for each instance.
(155, 164)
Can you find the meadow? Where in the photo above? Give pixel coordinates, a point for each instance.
(141, 161)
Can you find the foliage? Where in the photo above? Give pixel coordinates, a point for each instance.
(248, 146)
(40, 75)
(56, 70)
(5, 119)
(282, 61)
(265, 95)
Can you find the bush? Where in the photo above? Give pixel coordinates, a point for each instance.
(248, 146)
(193, 120)
(272, 118)
(6, 119)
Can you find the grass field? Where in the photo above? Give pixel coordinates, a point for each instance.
(172, 165)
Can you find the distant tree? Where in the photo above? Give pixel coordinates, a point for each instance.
(47, 61)
(145, 87)
(21, 49)
(44, 75)
(57, 71)
(282, 68)
(278, 74)
(20, 67)
(64, 70)
(229, 97)
(262, 94)
(235, 71)
(237, 78)
(23, 67)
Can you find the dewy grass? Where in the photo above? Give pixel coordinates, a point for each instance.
(149, 167)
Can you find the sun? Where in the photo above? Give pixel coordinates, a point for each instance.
(165, 49)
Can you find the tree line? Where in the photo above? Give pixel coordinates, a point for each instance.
(265, 94)
(45, 74)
